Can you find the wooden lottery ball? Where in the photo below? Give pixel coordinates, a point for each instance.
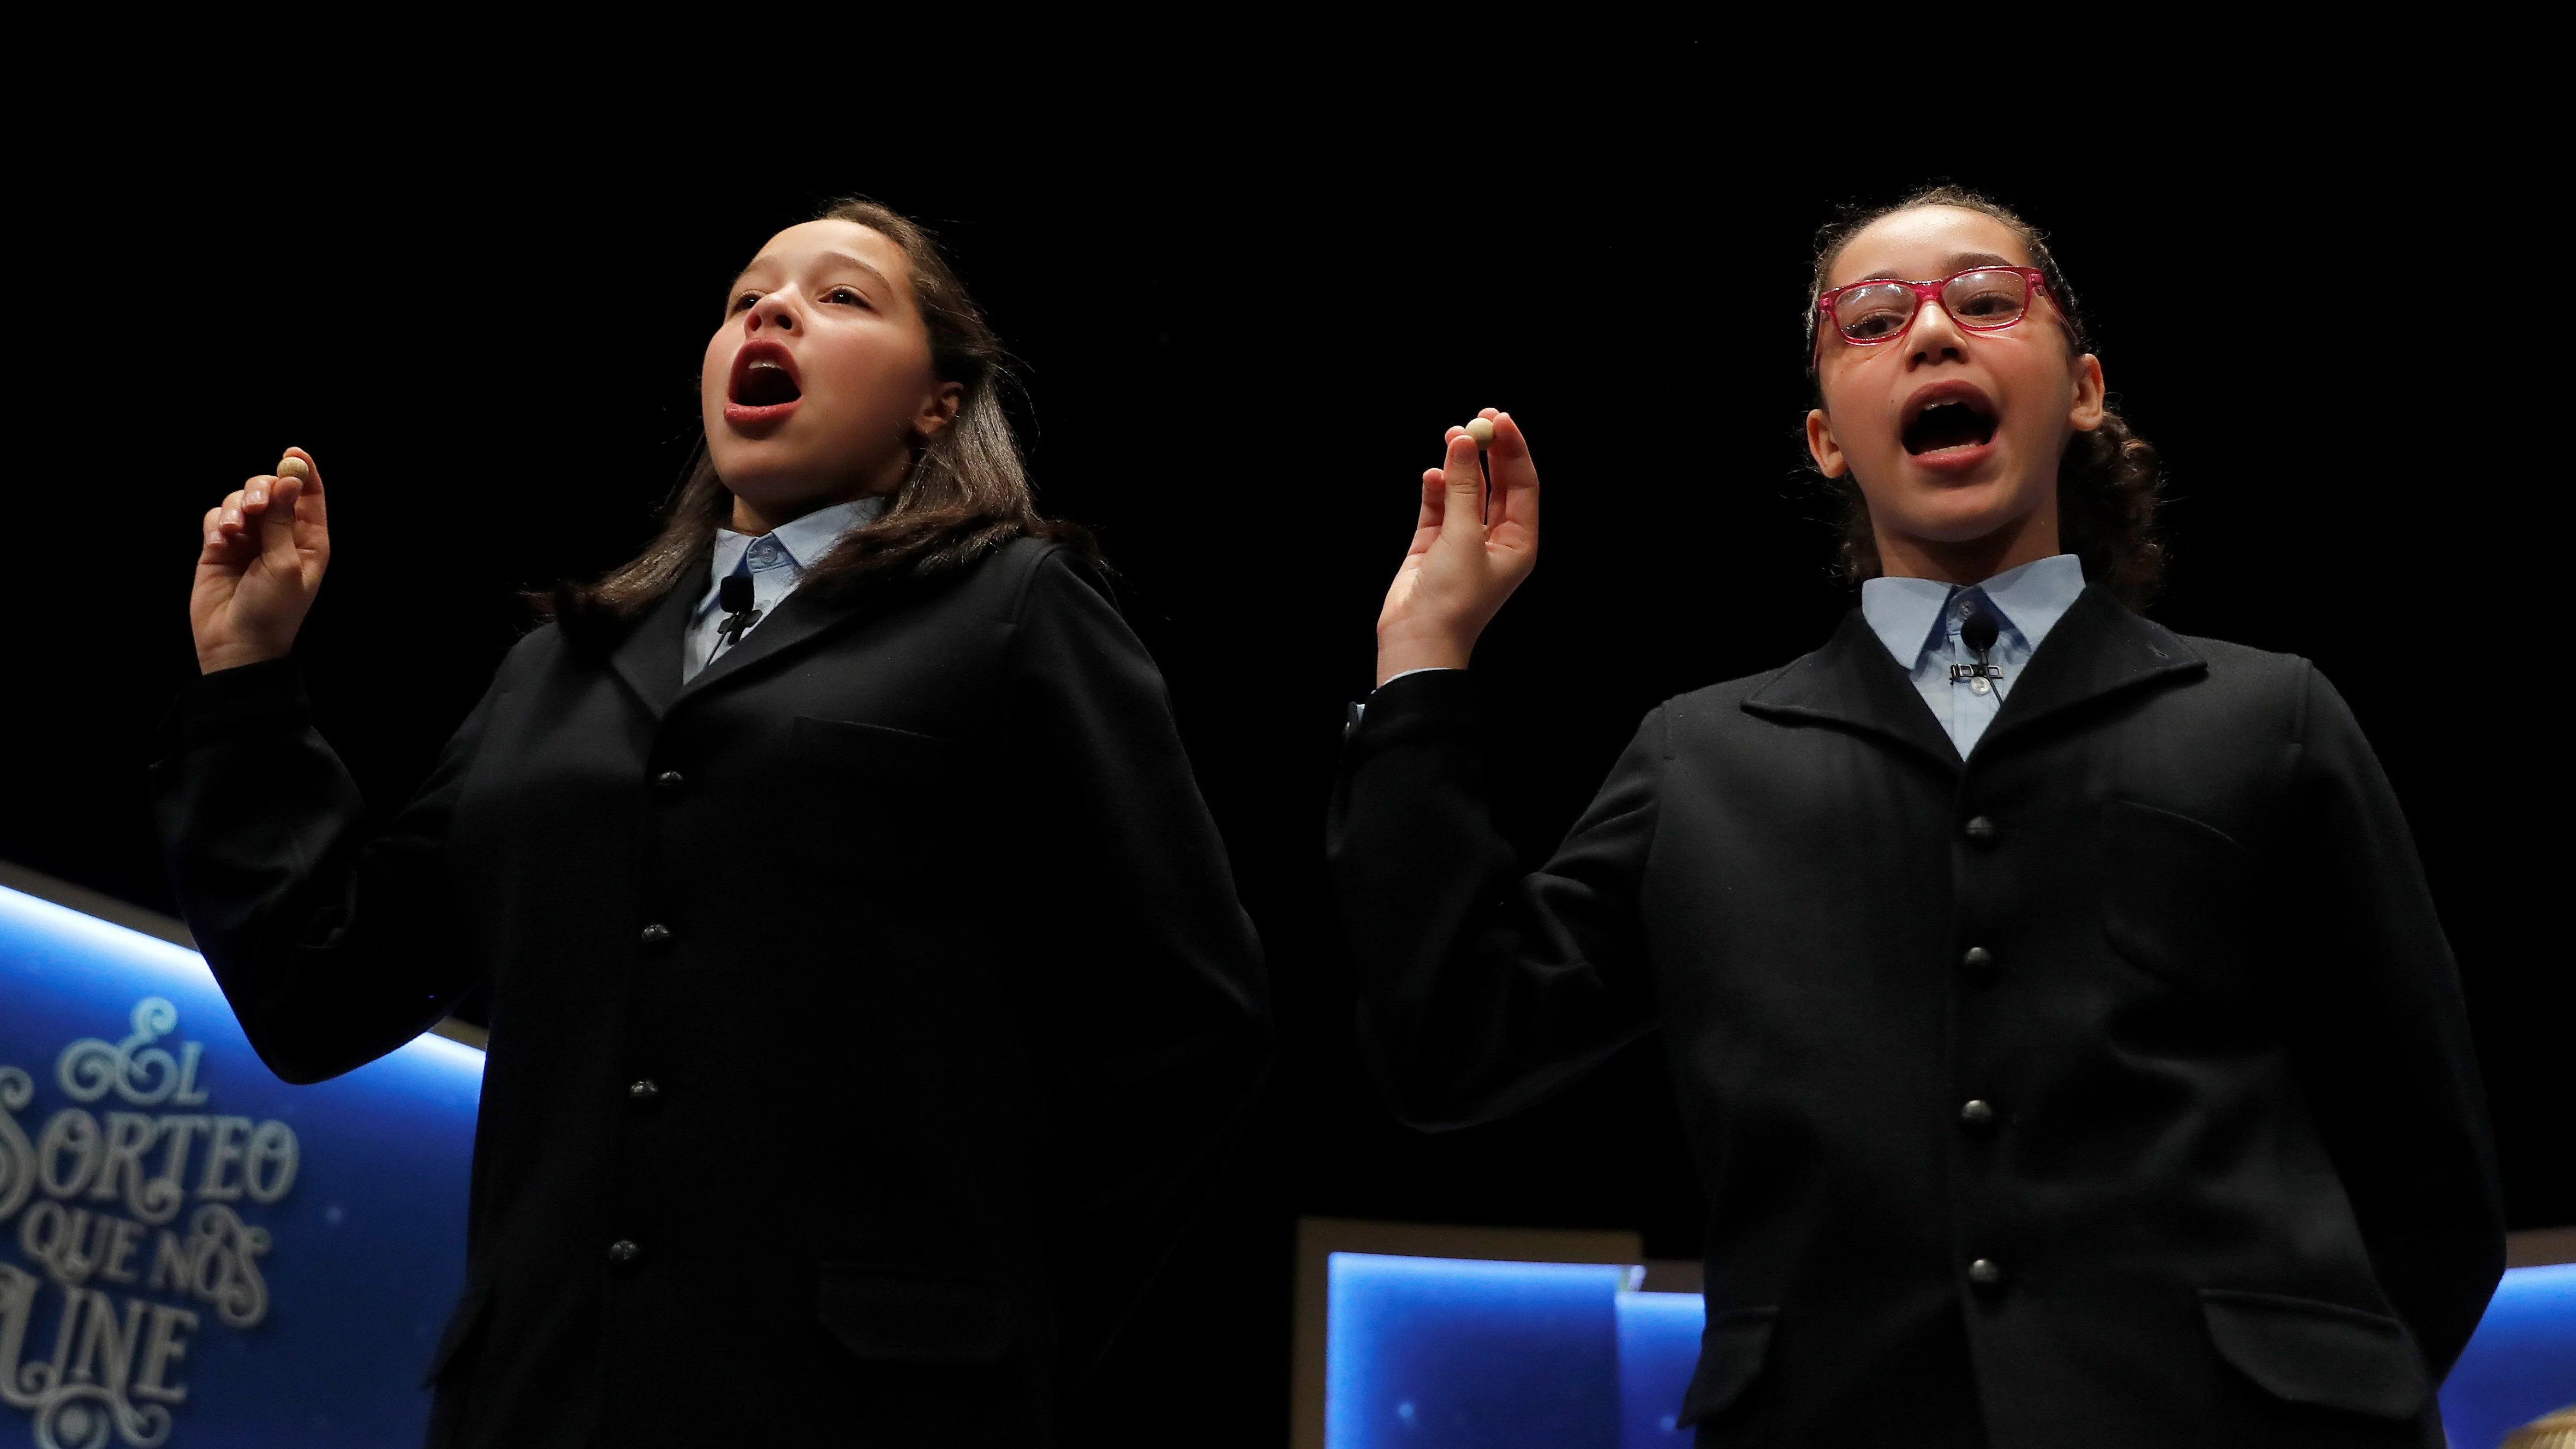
(294, 468)
(1482, 430)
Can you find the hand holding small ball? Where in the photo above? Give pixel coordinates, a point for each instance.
(262, 557)
(1474, 540)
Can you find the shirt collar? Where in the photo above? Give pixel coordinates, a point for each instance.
(2035, 596)
(1906, 613)
(805, 539)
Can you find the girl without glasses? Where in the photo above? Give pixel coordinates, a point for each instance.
(868, 991)
(2062, 1029)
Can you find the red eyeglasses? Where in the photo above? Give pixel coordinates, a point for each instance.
(1981, 299)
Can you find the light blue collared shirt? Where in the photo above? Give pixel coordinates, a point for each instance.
(1918, 620)
(776, 561)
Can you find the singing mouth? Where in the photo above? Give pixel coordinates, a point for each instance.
(1948, 415)
(764, 376)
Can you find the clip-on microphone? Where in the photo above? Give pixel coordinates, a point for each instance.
(1977, 631)
(733, 595)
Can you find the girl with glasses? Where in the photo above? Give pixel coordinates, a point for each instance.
(869, 997)
(2065, 1039)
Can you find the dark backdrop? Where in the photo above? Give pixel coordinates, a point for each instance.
(1241, 346)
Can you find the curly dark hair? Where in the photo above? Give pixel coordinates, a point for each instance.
(2110, 481)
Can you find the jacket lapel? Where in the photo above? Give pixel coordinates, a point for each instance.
(2098, 649)
(648, 658)
(797, 621)
(1852, 682)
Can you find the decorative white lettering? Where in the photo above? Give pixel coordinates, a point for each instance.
(17, 1155)
(164, 1345)
(70, 1130)
(120, 1172)
(224, 1152)
(122, 1236)
(273, 1152)
(110, 1377)
(189, 1093)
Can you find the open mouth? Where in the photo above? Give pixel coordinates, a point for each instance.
(1953, 418)
(764, 376)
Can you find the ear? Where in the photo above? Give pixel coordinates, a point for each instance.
(2090, 401)
(939, 409)
(1821, 445)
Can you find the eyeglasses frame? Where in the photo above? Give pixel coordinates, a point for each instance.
(1923, 292)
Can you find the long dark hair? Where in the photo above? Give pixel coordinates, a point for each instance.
(2109, 483)
(966, 494)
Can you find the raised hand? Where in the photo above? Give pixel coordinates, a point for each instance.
(265, 550)
(1470, 550)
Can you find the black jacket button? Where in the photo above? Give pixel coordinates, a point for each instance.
(624, 1251)
(644, 1091)
(657, 935)
(668, 782)
(1977, 1113)
(1986, 1273)
(1979, 960)
(1981, 829)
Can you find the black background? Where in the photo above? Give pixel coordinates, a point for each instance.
(1241, 343)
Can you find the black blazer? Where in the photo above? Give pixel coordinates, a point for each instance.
(865, 1015)
(2111, 1088)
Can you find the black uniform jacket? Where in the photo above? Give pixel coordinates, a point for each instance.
(863, 1015)
(2111, 1088)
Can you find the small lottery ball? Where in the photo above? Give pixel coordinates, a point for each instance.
(1482, 430)
(294, 468)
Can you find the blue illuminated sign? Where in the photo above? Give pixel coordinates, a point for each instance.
(191, 1251)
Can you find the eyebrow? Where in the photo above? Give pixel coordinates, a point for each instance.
(1950, 267)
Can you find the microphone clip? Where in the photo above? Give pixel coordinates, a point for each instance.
(734, 596)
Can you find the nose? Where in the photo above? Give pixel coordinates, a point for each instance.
(1935, 334)
(774, 312)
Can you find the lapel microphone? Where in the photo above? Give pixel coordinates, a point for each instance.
(1977, 631)
(733, 595)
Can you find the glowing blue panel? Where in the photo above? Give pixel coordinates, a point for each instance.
(2521, 1364)
(193, 1253)
(1658, 1348)
(1436, 1353)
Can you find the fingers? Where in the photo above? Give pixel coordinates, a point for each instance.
(1435, 498)
(297, 482)
(1515, 475)
(1463, 493)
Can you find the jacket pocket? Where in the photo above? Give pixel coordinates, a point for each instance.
(2173, 894)
(463, 1326)
(892, 1316)
(2308, 1352)
(1731, 1353)
(877, 801)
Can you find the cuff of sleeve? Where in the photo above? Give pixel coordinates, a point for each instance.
(264, 696)
(1410, 706)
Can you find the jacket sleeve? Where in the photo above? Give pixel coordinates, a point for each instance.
(1153, 968)
(334, 946)
(2381, 1039)
(1483, 989)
